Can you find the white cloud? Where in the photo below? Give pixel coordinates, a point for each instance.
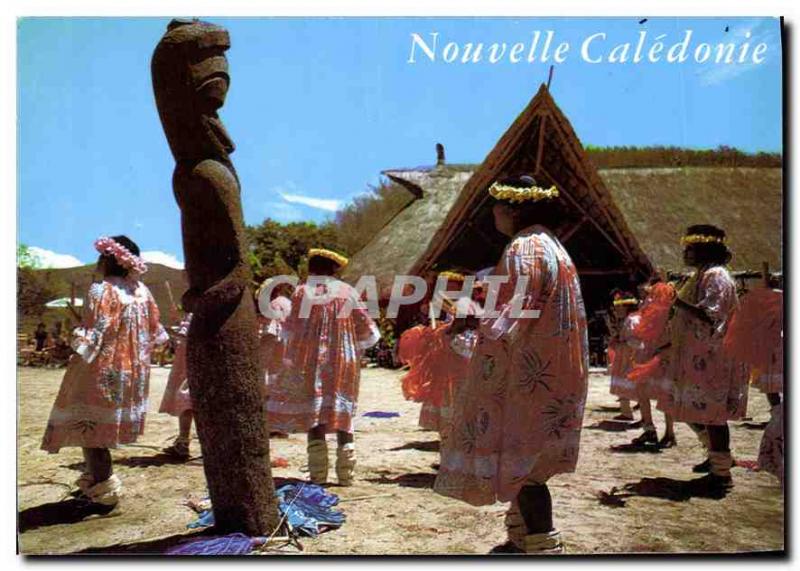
(50, 259)
(759, 31)
(329, 204)
(158, 257)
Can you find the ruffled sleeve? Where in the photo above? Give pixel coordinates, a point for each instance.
(100, 318)
(366, 330)
(717, 297)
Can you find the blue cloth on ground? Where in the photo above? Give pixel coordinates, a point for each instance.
(380, 414)
(232, 544)
(307, 508)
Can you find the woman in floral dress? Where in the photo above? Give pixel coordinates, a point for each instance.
(709, 387)
(316, 390)
(518, 417)
(103, 397)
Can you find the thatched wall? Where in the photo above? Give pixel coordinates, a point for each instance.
(658, 204)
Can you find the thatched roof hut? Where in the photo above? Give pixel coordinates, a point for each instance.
(626, 221)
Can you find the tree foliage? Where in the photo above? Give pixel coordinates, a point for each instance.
(281, 249)
(359, 221)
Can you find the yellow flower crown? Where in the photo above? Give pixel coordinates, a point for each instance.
(701, 239)
(330, 254)
(514, 194)
(451, 275)
(626, 301)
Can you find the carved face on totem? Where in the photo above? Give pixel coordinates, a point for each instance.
(190, 80)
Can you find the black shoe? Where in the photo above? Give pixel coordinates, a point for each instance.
(667, 441)
(702, 467)
(506, 548)
(647, 437)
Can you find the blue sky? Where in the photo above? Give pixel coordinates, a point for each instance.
(318, 107)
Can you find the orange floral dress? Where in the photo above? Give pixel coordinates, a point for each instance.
(624, 350)
(518, 417)
(438, 365)
(709, 387)
(319, 379)
(176, 399)
(103, 397)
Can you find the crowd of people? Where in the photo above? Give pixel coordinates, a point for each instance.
(505, 392)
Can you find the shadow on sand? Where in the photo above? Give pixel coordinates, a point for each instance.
(422, 446)
(153, 547)
(55, 513)
(664, 488)
(614, 425)
(417, 480)
(632, 448)
(155, 460)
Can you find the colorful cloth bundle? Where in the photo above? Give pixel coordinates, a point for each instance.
(654, 314)
(426, 352)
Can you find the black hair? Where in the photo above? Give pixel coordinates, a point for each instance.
(112, 267)
(709, 253)
(321, 266)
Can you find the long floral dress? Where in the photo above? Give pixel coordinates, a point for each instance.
(176, 399)
(625, 349)
(103, 397)
(319, 379)
(518, 416)
(709, 387)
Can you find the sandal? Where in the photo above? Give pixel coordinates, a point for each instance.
(646, 437)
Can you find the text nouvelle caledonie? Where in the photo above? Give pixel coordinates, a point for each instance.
(594, 49)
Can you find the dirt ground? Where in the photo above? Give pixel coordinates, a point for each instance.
(616, 502)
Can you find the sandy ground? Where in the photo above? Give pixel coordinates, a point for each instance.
(619, 502)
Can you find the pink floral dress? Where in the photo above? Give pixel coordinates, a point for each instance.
(103, 397)
(708, 387)
(518, 416)
(177, 399)
(319, 380)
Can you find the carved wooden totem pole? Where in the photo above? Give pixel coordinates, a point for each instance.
(190, 80)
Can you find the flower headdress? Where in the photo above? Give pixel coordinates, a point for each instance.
(329, 254)
(522, 194)
(124, 257)
(451, 275)
(701, 239)
(626, 301)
